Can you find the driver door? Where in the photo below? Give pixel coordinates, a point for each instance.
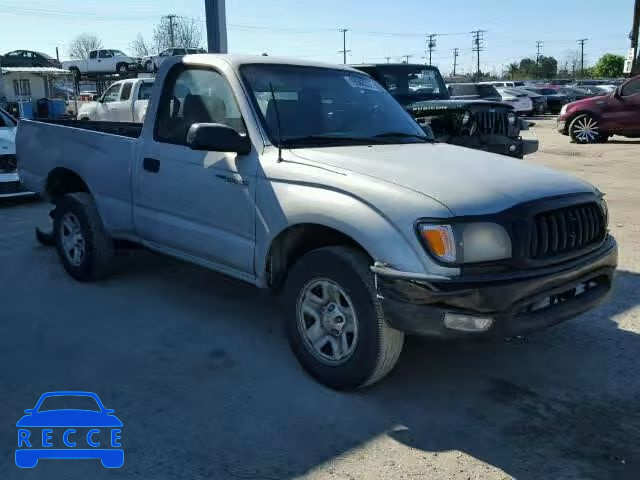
(194, 204)
(106, 110)
(630, 105)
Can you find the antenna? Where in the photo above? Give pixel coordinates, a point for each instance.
(275, 106)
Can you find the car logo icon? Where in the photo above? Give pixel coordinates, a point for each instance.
(69, 425)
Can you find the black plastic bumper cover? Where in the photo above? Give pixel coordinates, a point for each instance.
(419, 307)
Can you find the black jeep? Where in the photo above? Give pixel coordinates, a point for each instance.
(484, 125)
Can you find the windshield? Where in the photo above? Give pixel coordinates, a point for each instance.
(119, 52)
(410, 83)
(6, 120)
(325, 106)
(69, 402)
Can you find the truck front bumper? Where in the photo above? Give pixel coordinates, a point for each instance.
(512, 147)
(503, 306)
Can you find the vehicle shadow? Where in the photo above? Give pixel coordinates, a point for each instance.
(564, 403)
(624, 142)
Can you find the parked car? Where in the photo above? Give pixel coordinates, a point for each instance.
(152, 63)
(460, 91)
(420, 89)
(595, 119)
(575, 93)
(586, 83)
(10, 185)
(311, 180)
(28, 58)
(123, 101)
(520, 101)
(555, 100)
(538, 101)
(104, 61)
(504, 84)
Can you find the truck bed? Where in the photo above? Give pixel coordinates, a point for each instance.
(124, 129)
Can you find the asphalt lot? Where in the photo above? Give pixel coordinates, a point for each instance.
(197, 368)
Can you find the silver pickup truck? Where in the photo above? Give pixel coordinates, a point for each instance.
(312, 181)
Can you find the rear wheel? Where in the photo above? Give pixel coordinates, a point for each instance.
(84, 248)
(122, 69)
(585, 128)
(149, 66)
(335, 322)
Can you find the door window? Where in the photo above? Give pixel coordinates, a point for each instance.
(195, 95)
(105, 54)
(112, 94)
(631, 88)
(179, 51)
(126, 91)
(93, 55)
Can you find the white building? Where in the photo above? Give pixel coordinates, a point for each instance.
(32, 83)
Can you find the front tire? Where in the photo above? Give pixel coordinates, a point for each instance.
(122, 69)
(334, 320)
(584, 129)
(84, 248)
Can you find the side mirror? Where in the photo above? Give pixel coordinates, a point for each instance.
(215, 137)
(29, 411)
(96, 98)
(109, 411)
(617, 93)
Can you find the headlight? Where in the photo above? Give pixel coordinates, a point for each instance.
(466, 243)
(605, 211)
(563, 110)
(466, 118)
(511, 117)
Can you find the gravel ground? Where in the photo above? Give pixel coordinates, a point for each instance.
(198, 370)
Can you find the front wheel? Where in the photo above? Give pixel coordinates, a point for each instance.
(335, 322)
(585, 129)
(122, 69)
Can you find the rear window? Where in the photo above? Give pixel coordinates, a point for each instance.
(463, 89)
(145, 91)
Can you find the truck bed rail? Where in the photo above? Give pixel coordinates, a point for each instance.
(124, 129)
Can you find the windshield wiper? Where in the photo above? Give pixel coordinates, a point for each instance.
(403, 135)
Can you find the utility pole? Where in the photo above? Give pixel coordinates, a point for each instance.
(406, 58)
(431, 45)
(635, 66)
(344, 50)
(478, 46)
(172, 38)
(57, 54)
(582, 41)
(388, 59)
(456, 54)
(539, 45)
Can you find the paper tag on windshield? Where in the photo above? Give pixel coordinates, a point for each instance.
(360, 81)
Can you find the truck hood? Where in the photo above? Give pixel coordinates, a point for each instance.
(467, 182)
(452, 105)
(7, 141)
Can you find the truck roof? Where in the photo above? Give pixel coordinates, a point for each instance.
(238, 60)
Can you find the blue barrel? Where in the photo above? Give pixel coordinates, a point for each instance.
(57, 108)
(25, 109)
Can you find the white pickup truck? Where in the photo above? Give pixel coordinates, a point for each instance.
(103, 61)
(123, 101)
(312, 181)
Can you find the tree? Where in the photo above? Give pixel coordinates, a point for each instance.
(140, 47)
(572, 61)
(82, 44)
(609, 66)
(187, 33)
(547, 67)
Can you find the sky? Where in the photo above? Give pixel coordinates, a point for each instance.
(377, 28)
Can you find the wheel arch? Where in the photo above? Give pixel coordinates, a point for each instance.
(61, 181)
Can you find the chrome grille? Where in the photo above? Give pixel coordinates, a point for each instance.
(566, 230)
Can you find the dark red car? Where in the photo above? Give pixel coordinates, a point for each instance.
(595, 119)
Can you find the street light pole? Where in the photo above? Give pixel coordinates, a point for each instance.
(216, 26)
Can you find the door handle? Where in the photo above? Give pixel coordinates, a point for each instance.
(151, 165)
